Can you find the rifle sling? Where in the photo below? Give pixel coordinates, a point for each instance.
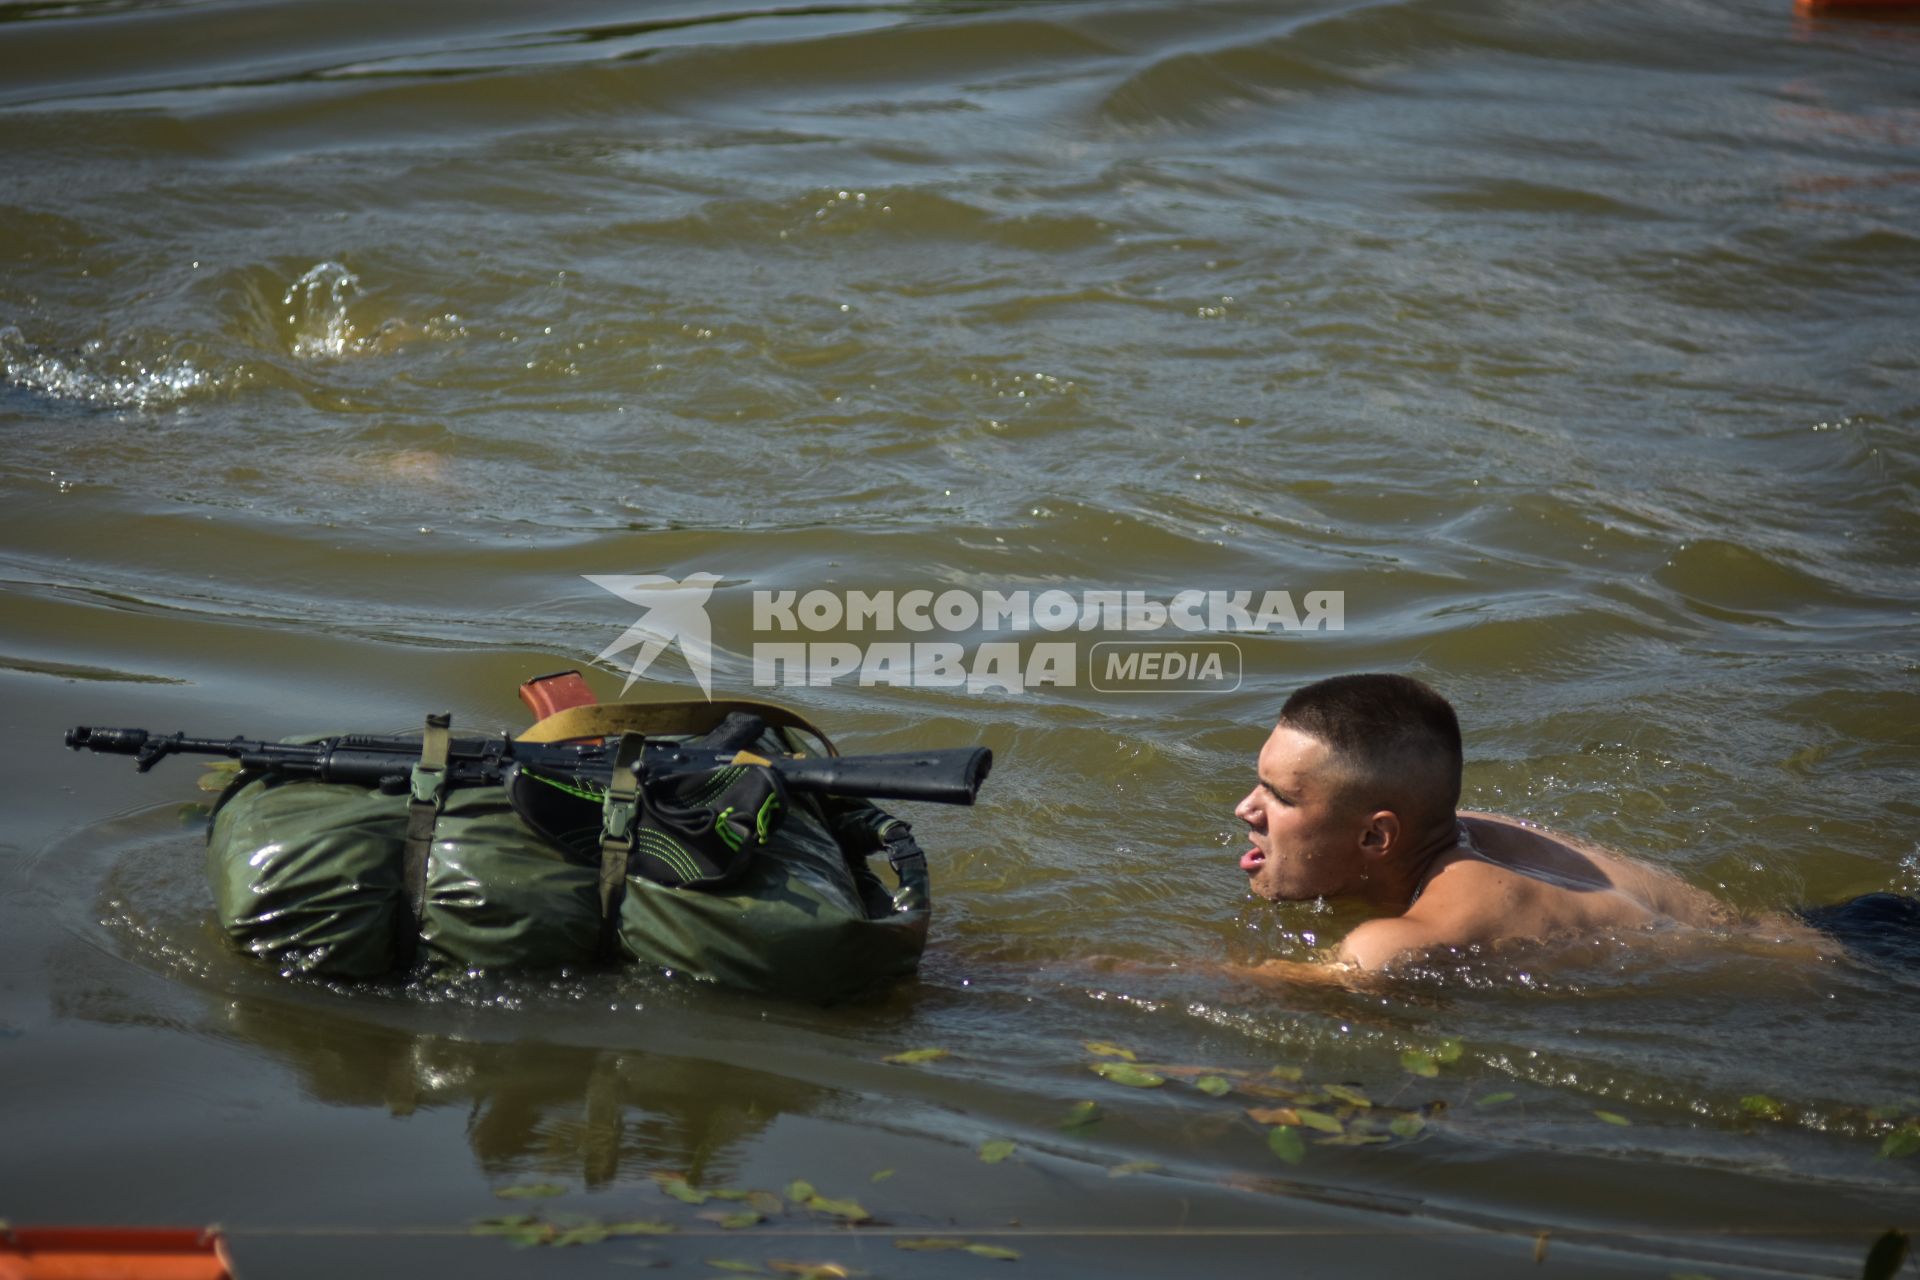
(618, 813)
(427, 787)
(611, 719)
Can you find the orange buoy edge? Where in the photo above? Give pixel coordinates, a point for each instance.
(113, 1253)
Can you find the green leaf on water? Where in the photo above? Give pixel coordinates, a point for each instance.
(994, 1150)
(680, 1189)
(1284, 1141)
(641, 1227)
(1319, 1120)
(1409, 1125)
(850, 1210)
(1128, 1074)
(1132, 1167)
(1884, 1259)
(1292, 1074)
(913, 1057)
(880, 1175)
(928, 1244)
(1903, 1141)
(586, 1233)
(727, 1193)
(994, 1251)
(1100, 1048)
(1613, 1117)
(765, 1203)
(1495, 1099)
(1214, 1086)
(1420, 1062)
(1448, 1050)
(800, 1191)
(506, 1226)
(1759, 1104)
(730, 1219)
(531, 1191)
(1351, 1139)
(1081, 1115)
(1352, 1097)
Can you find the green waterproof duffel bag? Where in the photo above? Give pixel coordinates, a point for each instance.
(310, 876)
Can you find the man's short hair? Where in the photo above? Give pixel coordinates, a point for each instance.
(1396, 741)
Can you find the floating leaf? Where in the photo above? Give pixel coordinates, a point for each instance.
(812, 1270)
(995, 1150)
(1613, 1117)
(1903, 1141)
(913, 1057)
(531, 1191)
(1294, 1074)
(1448, 1050)
(1214, 1086)
(1285, 1142)
(1420, 1062)
(1274, 1115)
(800, 1190)
(847, 1209)
(1132, 1167)
(727, 1193)
(1319, 1120)
(508, 1226)
(1495, 1099)
(1352, 1097)
(680, 1189)
(1260, 1089)
(731, 1221)
(879, 1176)
(1759, 1104)
(1128, 1074)
(1888, 1252)
(1101, 1048)
(736, 1266)
(1409, 1125)
(994, 1251)
(586, 1233)
(641, 1227)
(928, 1244)
(768, 1204)
(1081, 1115)
(1352, 1139)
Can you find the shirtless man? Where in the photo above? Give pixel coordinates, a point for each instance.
(1357, 797)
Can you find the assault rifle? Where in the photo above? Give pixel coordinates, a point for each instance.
(947, 776)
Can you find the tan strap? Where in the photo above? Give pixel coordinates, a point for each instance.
(611, 719)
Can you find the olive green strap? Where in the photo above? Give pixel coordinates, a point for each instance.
(427, 787)
(618, 813)
(611, 719)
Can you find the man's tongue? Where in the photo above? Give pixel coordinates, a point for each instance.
(1251, 860)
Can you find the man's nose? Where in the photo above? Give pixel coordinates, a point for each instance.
(1247, 811)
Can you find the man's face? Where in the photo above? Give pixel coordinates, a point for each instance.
(1304, 844)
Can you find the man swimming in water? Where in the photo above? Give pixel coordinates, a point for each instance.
(1357, 797)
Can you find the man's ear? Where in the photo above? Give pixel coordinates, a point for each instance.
(1381, 835)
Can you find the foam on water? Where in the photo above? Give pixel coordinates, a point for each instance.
(97, 378)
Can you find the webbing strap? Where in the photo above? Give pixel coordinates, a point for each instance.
(618, 813)
(611, 719)
(427, 787)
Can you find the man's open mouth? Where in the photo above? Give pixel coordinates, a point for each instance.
(1251, 860)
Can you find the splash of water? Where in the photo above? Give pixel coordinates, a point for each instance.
(317, 312)
(96, 378)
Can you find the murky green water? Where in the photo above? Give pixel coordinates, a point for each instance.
(1574, 343)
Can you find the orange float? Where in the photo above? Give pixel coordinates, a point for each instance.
(113, 1253)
